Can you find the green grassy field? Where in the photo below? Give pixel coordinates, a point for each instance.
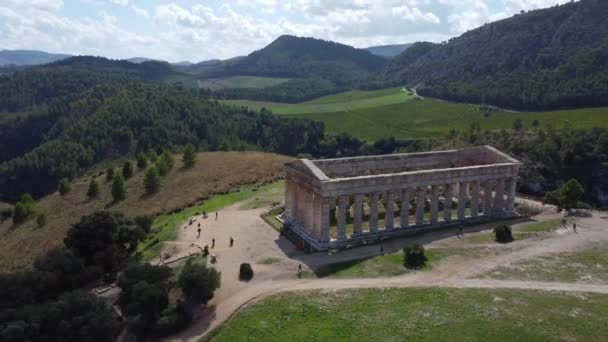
(166, 226)
(372, 115)
(390, 264)
(590, 265)
(415, 314)
(240, 82)
(529, 230)
(342, 102)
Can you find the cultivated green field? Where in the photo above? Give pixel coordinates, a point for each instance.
(422, 315)
(342, 102)
(371, 115)
(240, 82)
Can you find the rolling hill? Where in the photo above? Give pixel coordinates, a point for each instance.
(388, 51)
(543, 59)
(28, 57)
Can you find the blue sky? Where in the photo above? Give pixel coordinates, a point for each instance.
(199, 30)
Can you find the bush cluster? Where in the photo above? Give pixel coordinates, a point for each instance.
(413, 257)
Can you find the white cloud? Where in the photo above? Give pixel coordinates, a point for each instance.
(236, 27)
(120, 2)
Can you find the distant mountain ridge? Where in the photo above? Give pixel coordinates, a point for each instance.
(28, 57)
(388, 51)
(550, 58)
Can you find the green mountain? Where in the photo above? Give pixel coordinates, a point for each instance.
(290, 56)
(59, 120)
(388, 51)
(549, 58)
(28, 57)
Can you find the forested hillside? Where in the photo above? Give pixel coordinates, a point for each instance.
(56, 122)
(550, 58)
(317, 68)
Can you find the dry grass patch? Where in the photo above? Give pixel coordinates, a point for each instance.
(214, 172)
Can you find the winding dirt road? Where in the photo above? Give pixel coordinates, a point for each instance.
(255, 241)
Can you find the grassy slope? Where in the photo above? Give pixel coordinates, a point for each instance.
(348, 101)
(586, 265)
(214, 172)
(390, 264)
(421, 314)
(166, 226)
(240, 82)
(371, 115)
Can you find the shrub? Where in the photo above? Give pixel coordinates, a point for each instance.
(64, 186)
(152, 180)
(127, 169)
(198, 282)
(245, 272)
(41, 220)
(110, 174)
(24, 209)
(413, 257)
(142, 161)
(118, 188)
(6, 213)
(144, 222)
(503, 234)
(189, 157)
(93, 190)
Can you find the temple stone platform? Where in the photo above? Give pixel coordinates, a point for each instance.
(418, 191)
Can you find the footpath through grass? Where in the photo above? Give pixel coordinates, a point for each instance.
(414, 314)
(166, 227)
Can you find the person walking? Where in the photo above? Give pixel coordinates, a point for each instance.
(216, 215)
(300, 271)
(199, 233)
(460, 231)
(231, 241)
(381, 250)
(212, 242)
(574, 227)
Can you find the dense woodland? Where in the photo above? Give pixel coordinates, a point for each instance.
(543, 59)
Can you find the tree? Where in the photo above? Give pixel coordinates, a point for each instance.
(142, 161)
(152, 155)
(127, 169)
(413, 257)
(198, 282)
(64, 186)
(570, 194)
(152, 181)
(167, 157)
(118, 188)
(41, 220)
(161, 167)
(104, 238)
(24, 209)
(93, 191)
(110, 174)
(189, 157)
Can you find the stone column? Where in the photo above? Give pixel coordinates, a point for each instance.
(358, 214)
(462, 200)
(420, 197)
(373, 207)
(317, 216)
(405, 207)
(343, 202)
(310, 212)
(499, 200)
(487, 198)
(511, 196)
(288, 212)
(447, 203)
(325, 210)
(474, 198)
(389, 214)
(434, 204)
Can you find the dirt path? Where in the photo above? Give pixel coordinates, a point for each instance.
(255, 241)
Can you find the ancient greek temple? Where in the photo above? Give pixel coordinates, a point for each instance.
(333, 203)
